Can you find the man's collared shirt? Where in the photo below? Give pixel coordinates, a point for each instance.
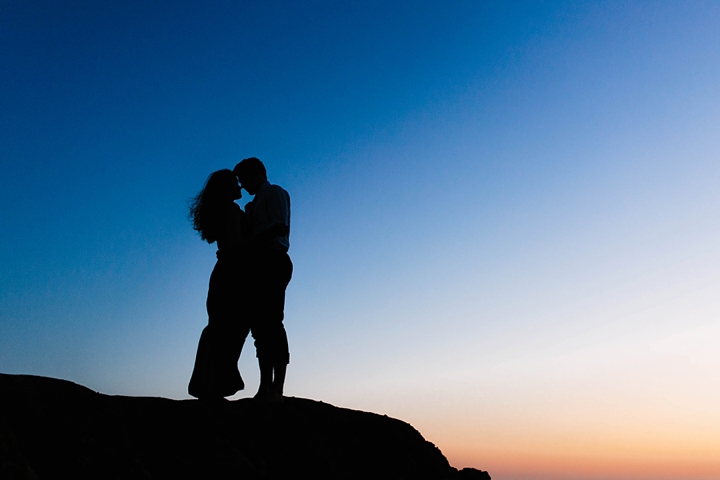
(271, 206)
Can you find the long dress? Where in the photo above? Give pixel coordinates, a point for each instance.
(216, 373)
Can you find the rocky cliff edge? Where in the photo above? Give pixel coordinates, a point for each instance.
(53, 428)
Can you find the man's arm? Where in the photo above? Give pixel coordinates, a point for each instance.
(277, 230)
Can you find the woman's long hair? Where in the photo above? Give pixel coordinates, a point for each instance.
(206, 209)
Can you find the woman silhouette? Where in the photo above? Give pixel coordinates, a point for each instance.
(218, 218)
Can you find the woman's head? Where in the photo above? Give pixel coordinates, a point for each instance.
(221, 189)
(221, 186)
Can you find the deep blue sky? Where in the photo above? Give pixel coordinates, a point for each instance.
(505, 215)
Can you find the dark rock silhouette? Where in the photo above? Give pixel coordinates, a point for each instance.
(53, 428)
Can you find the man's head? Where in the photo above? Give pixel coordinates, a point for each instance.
(251, 174)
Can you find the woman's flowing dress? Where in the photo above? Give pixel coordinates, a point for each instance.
(216, 371)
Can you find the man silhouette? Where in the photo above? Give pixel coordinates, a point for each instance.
(271, 269)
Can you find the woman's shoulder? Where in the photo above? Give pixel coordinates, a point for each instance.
(230, 212)
(229, 220)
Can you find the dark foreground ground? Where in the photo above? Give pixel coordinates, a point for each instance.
(53, 428)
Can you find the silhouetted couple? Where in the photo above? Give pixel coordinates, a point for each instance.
(247, 285)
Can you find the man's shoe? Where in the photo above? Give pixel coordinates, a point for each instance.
(262, 393)
(269, 395)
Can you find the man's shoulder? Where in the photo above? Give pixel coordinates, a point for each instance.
(276, 190)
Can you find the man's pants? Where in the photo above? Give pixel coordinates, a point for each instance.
(273, 270)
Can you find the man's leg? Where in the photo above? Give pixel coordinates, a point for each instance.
(273, 357)
(269, 332)
(279, 371)
(266, 378)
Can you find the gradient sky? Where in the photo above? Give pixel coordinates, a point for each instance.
(505, 230)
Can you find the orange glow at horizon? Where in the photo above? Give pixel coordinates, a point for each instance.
(642, 410)
(625, 464)
(656, 443)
